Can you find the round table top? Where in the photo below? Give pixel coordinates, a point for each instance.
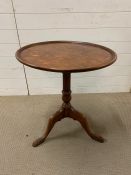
(66, 56)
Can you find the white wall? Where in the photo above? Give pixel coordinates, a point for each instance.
(100, 21)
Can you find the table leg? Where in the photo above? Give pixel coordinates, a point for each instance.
(76, 115)
(67, 111)
(56, 117)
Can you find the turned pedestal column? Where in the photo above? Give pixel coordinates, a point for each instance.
(67, 110)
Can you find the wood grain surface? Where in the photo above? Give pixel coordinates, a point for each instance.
(66, 56)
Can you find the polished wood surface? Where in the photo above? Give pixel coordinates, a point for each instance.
(67, 110)
(66, 56)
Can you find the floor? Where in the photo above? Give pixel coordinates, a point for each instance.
(68, 150)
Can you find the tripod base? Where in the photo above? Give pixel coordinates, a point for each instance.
(67, 111)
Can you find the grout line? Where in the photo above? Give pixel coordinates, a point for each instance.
(8, 13)
(67, 40)
(12, 78)
(87, 76)
(20, 46)
(83, 28)
(98, 41)
(71, 28)
(69, 12)
(83, 41)
(9, 43)
(95, 41)
(7, 29)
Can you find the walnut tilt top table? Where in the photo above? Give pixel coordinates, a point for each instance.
(66, 57)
